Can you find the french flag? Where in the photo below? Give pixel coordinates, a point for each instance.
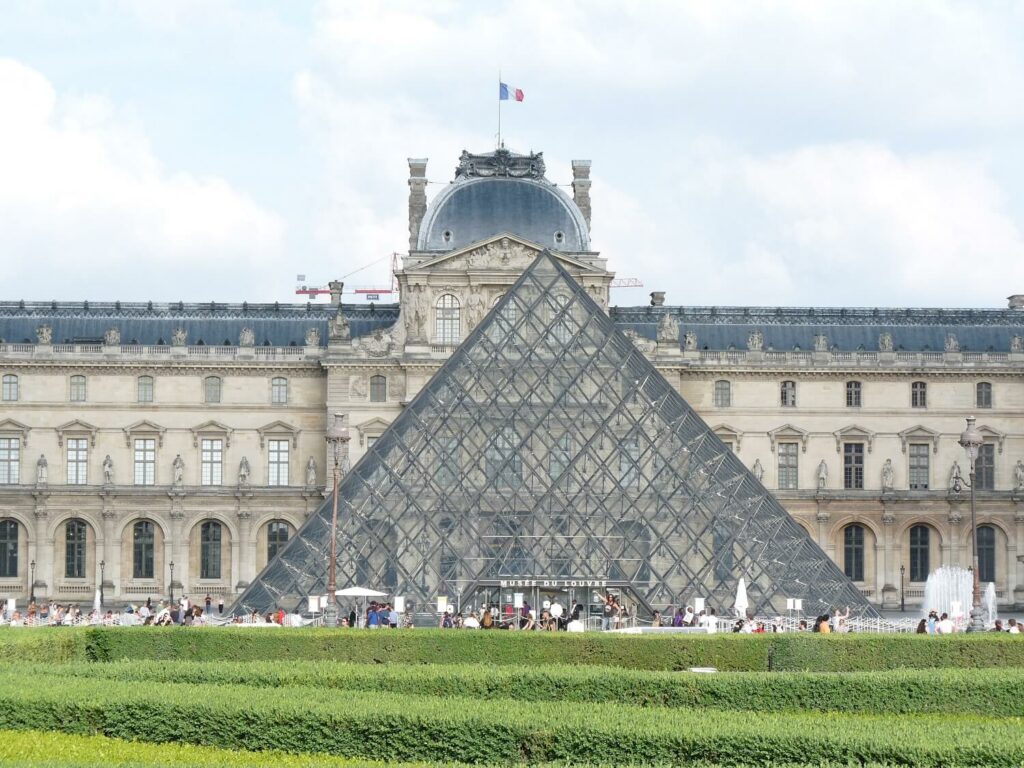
(507, 92)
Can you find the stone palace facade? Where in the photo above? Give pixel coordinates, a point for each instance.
(154, 445)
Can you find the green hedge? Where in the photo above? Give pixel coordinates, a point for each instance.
(424, 646)
(993, 693)
(403, 727)
(785, 652)
(33, 749)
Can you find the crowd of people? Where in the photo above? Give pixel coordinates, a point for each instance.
(936, 624)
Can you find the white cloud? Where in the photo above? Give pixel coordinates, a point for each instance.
(83, 192)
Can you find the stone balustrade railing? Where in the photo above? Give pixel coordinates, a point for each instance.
(801, 358)
(155, 352)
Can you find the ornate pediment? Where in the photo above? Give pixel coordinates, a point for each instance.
(278, 429)
(144, 428)
(852, 434)
(919, 434)
(16, 428)
(729, 434)
(499, 253)
(993, 435)
(211, 428)
(372, 428)
(788, 433)
(76, 427)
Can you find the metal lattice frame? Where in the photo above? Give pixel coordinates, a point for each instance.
(548, 446)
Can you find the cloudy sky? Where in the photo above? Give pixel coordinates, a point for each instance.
(799, 153)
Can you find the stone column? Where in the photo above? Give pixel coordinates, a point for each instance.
(44, 547)
(885, 565)
(1016, 566)
(823, 517)
(243, 552)
(581, 187)
(954, 551)
(111, 555)
(177, 548)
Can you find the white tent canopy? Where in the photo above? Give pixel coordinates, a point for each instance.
(359, 592)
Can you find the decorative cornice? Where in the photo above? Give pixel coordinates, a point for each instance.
(144, 427)
(853, 431)
(76, 427)
(211, 427)
(788, 431)
(278, 428)
(920, 432)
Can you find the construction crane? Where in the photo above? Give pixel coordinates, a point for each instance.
(372, 293)
(626, 282)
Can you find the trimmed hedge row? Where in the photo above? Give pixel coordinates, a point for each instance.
(991, 693)
(402, 727)
(41, 750)
(729, 652)
(32, 749)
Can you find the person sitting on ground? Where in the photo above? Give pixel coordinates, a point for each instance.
(998, 626)
(945, 625)
(16, 620)
(1014, 627)
(802, 626)
(922, 627)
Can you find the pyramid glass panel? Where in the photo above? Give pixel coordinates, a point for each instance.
(548, 456)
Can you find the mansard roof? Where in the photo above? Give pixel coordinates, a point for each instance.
(846, 328)
(209, 323)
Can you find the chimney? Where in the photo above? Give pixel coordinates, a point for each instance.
(417, 198)
(336, 287)
(657, 298)
(1016, 301)
(581, 187)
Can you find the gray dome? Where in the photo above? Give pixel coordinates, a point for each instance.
(470, 210)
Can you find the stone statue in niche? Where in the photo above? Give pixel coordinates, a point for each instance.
(340, 328)
(44, 334)
(42, 470)
(755, 341)
(1018, 476)
(243, 472)
(885, 342)
(822, 475)
(311, 472)
(312, 337)
(357, 387)
(888, 475)
(952, 345)
(112, 337)
(476, 308)
(178, 337)
(1017, 344)
(178, 471)
(668, 328)
(821, 342)
(757, 470)
(955, 476)
(108, 470)
(246, 337)
(640, 342)
(690, 341)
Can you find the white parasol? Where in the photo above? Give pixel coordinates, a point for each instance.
(363, 592)
(741, 598)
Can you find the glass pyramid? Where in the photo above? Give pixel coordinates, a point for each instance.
(549, 452)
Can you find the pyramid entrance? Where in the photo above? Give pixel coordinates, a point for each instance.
(548, 450)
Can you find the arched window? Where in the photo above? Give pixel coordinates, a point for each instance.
(143, 549)
(74, 549)
(8, 549)
(211, 389)
(986, 553)
(983, 394)
(919, 394)
(920, 549)
(787, 394)
(77, 389)
(853, 552)
(448, 325)
(10, 387)
(378, 389)
(209, 550)
(145, 389)
(723, 394)
(279, 390)
(277, 536)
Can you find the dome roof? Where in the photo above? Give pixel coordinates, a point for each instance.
(489, 197)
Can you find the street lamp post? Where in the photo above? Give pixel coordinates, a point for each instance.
(971, 441)
(337, 437)
(903, 605)
(32, 583)
(172, 582)
(103, 566)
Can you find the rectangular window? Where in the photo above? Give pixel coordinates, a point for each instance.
(788, 466)
(145, 389)
(279, 390)
(723, 394)
(10, 460)
(919, 395)
(74, 549)
(853, 465)
(211, 389)
(983, 395)
(145, 461)
(920, 472)
(787, 394)
(77, 393)
(853, 394)
(78, 461)
(278, 450)
(10, 388)
(212, 460)
(985, 468)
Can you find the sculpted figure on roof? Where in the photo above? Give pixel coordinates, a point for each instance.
(246, 337)
(668, 328)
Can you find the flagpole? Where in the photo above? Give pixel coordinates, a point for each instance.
(499, 109)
